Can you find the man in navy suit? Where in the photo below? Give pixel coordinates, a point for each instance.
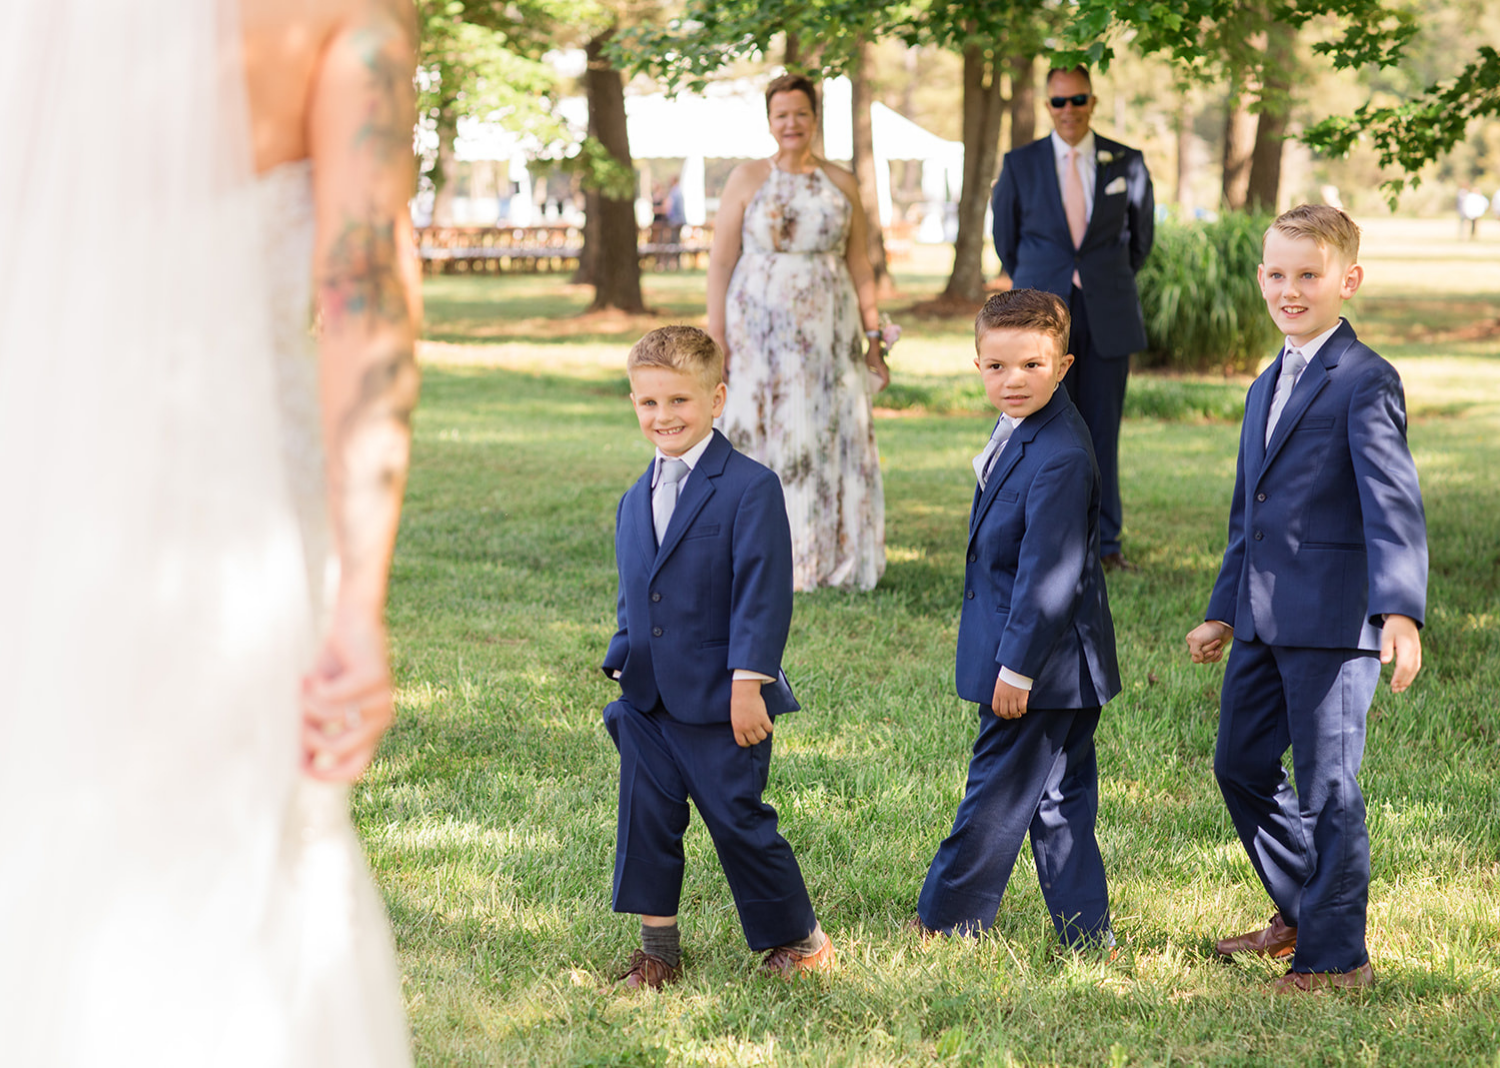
(704, 554)
(1073, 216)
(1036, 645)
(1324, 579)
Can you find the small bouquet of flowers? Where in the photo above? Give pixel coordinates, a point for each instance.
(888, 334)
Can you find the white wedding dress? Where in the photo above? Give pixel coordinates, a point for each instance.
(173, 892)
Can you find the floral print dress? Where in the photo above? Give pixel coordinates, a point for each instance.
(799, 399)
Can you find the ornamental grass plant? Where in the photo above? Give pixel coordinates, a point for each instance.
(1202, 304)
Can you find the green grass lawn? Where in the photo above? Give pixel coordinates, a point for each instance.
(490, 815)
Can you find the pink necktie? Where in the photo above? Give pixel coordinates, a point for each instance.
(1073, 204)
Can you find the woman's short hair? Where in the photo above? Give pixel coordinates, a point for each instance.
(1032, 310)
(793, 83)
(1328, 226)
(684, 349)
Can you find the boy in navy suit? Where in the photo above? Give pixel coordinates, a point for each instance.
(1036, 645)
(704, 553)
(1324, 579)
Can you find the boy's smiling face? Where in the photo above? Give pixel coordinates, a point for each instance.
(1305, 285)
(1021, 369)
(676, 409)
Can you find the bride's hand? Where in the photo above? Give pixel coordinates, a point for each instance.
(347, 701)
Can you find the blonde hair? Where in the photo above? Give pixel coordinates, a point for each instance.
(684, 349)
(1329, 226)
(1032, 310)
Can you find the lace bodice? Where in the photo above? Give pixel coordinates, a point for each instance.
(287, 210)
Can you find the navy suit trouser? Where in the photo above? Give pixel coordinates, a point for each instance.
(663, 763)
(1309, 845)
(1096, 385)
(1037, 773)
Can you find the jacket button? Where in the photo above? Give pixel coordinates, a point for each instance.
(656, 632)
(973, 557)
(655, 596)
(1258, 535)
(969, 596)
(1260, 496)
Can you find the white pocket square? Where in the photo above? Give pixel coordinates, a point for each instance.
(1117, 186)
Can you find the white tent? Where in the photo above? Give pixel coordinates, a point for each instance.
(730, 123)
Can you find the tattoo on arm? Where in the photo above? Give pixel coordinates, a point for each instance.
(386, 129)
(361, 283)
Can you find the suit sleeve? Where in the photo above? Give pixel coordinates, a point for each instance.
(619, 645)
(1390, 498)
(1141, 212)
(760, 607)
(1049, 572)
(1006, 206)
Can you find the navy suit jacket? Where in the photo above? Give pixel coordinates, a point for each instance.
(1036, 247)
(1326, 530)
(1034, 598)
(715, 597)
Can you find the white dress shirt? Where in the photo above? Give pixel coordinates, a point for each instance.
(1311, 348)
(1086, 167)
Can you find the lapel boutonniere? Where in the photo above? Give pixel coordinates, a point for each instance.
(1104, 157)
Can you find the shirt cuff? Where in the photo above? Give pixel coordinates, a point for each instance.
(1020, 682)
(615, 674)
(746, 673)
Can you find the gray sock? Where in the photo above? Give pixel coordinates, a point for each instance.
(811, 944)
(663, 942)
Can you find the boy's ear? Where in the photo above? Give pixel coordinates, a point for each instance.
(721, 393)
(1353, 278)
(1063, 363)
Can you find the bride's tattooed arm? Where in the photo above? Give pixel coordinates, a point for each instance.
(369, 309)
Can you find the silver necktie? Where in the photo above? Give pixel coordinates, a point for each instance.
(1291, 366)
(986, 459)
(664, 498)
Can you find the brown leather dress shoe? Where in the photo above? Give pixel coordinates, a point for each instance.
(789, 963)
(1308, 982)
(1117, 562)
(920, 929)
(648, 970)
(1277, 940)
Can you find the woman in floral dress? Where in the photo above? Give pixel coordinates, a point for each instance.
(791, 299)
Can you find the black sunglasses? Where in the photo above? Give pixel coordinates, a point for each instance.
(1077, 100)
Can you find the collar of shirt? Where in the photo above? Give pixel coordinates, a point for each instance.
(1311, 348)
(691, 458)
(1087, 165)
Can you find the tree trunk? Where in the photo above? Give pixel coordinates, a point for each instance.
(1275, 108)
(982, 104)
(1239, 145)
(864, 167)
(1182, 121)
(1022, 101)
(615, 268)
(445, 172)
(792, 57)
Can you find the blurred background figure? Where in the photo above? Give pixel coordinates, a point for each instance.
(791, 300)
(193, 655)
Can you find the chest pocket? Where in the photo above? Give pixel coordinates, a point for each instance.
(708, 530)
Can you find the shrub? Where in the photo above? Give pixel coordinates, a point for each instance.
(1202, 304)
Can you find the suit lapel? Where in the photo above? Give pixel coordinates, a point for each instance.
(1015, 449)
(1102, 177)
(642, 526)
(700, 488)
(1046, 162)
(1313, 380)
